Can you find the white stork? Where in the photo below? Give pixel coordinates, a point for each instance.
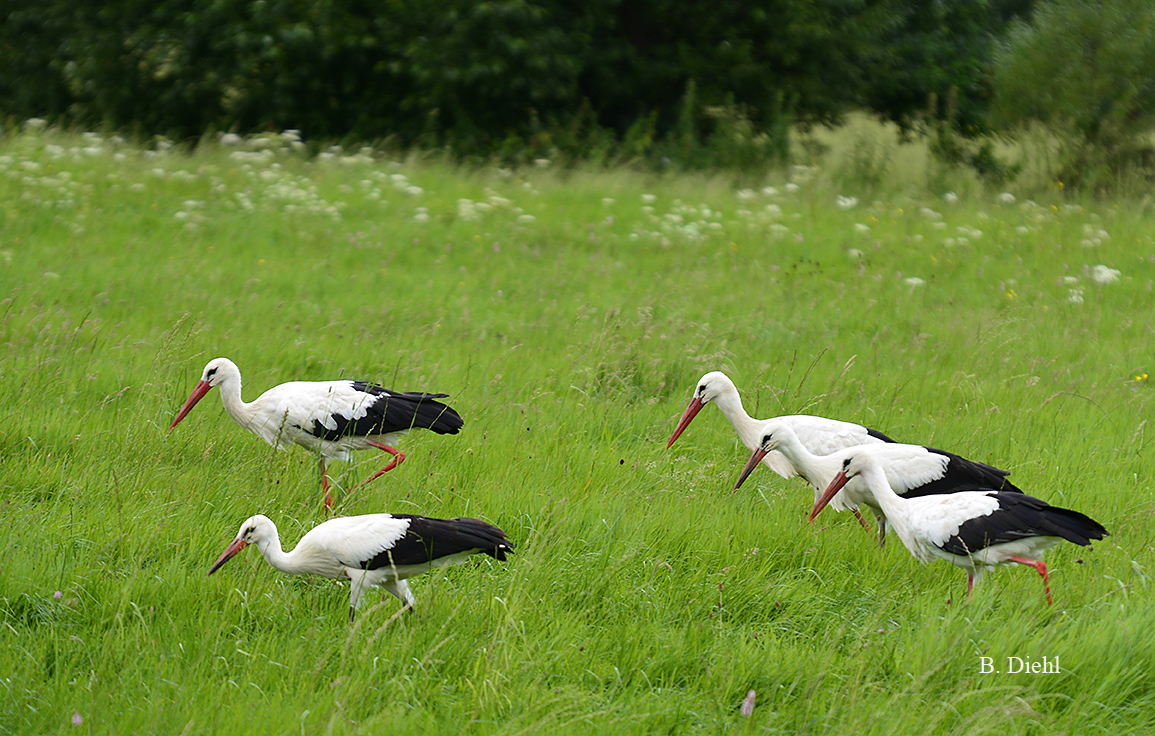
(974, 529)
(819, 434)
(372, 549)
(912, 470)
(327, 417)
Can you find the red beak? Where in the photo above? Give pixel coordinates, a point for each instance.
(752, 463)
(230, 552)
(198, 393)
(692, 410)
(831, 491)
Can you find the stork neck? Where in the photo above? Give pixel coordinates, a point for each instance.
(241, 412)
(891, 503)
(748, 428)
(818, 470)
(270, 549)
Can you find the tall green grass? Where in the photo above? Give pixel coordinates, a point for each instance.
(568, 313)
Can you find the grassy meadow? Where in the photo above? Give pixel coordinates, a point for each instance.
(568, 314)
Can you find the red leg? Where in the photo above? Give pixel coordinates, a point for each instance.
(970, 583)
(1042, 570)
(861, 520)
(328, 501)
(398, 458)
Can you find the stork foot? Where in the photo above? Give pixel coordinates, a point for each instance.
(1041, 568)
(328, 499)
(398, 458)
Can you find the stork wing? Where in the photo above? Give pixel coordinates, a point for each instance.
(356, 540)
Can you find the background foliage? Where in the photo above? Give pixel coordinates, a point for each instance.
(653, 77)
(1085, 72)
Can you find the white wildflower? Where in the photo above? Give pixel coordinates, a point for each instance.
(913, 282)
(846, 203)
(1075, 296)
(649, 198)
(1103, 275)
(950, 198)
(1006, 198)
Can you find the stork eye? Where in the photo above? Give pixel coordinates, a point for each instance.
(249, 531)
(702, 389)
(846, 463)
(212, 372)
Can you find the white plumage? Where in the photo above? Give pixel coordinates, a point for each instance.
(974, 529)
(818, 434)
(327, 417)
(372, 550)
(911, 470)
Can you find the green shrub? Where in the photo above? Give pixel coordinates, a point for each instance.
(1084, 70)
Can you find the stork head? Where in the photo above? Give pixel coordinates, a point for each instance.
(770, 440)
(710, 387)
(851, 467)
(216, 372)
(775, 435)
(255, 530)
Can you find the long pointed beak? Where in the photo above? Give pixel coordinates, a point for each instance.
(831, 491)
(230, 552)
(198, 393)
(688, 415)
(755, 458)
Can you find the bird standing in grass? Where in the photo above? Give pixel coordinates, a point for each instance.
(327, 417)
(974, 530)
(911, 470)
(372, 550)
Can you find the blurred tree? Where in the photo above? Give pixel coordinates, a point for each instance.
(1085, 71)
(936, 50)
(724, 79)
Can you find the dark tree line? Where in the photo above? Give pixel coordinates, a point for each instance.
(482, 76)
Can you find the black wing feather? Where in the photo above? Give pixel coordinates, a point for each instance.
(392, 412)
(429, 539)
(1020, 516)
(965, 475)
(878, 435)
